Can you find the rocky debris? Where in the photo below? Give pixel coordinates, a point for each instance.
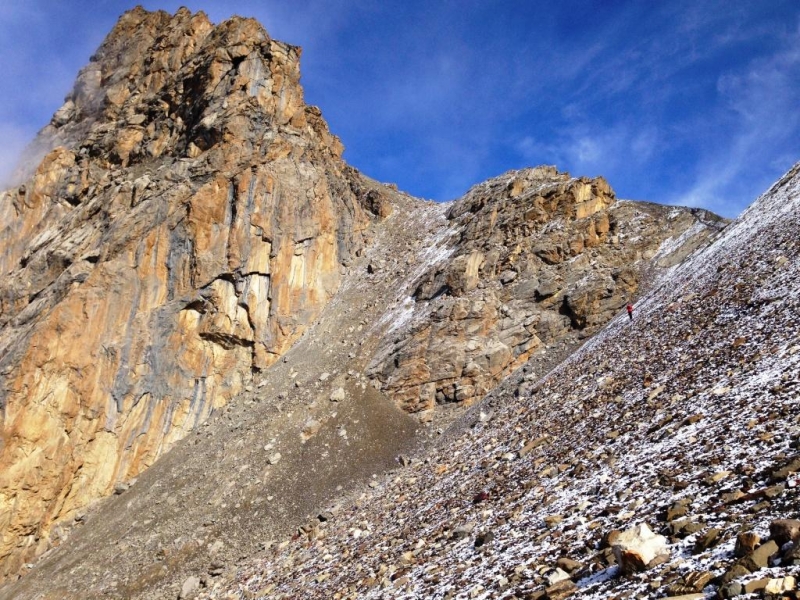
(759, 557)
(746, 543)
(780, 585)
(562, 589)
(483, 539)
(568, 565)
(690, 583)
(554, 576)
(708, 540)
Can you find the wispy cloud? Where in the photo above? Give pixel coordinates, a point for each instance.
(14, 140)
(763, 122)
(42, 46)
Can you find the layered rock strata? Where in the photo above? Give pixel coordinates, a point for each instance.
(189, 223)
(530, 263)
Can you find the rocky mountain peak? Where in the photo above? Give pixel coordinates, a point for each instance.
(175, 86)
(189, 253)
(188, 222)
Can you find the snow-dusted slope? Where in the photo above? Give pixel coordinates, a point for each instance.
(686, 418)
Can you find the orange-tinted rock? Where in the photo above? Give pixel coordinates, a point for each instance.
(188, 222)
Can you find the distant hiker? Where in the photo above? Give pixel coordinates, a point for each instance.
(630, 311)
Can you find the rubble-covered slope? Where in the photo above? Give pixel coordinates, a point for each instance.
(686, 418)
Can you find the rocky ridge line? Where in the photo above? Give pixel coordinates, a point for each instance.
(531, 264)
(191, 223)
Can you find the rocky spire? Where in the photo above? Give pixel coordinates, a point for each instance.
(187, 223)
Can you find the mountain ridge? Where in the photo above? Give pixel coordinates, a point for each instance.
(276, 327)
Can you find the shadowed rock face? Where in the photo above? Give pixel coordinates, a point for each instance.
(191, 219)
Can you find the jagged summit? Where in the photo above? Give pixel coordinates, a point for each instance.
(212, 327)
(173, 85)
(187, 227)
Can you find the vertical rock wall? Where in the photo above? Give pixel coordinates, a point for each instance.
(187, 223)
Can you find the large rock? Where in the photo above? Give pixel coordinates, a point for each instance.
(637, 547)
(785, 530)
(532, 262)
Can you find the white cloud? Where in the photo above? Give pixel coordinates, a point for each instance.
(587, 150)
(645, 144)
(593, 150)
(14, 141)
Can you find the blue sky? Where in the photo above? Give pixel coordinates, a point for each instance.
(680, 102)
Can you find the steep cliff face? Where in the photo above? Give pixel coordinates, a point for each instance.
(188, 224)
(529, 264)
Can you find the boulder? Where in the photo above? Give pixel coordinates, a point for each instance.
(759, 558)
(785, 530)
(780, 585)
(190, 588)
(746, 542)
(637, 547)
